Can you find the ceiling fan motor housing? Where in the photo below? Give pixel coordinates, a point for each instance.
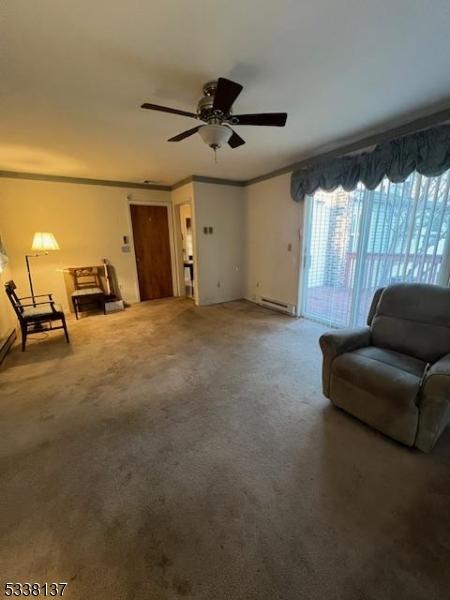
(205, 106)
(210, 87)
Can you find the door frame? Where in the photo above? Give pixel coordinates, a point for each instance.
(168, 205)
(305, 257)
(178, 249)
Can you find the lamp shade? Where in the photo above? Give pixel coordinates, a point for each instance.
(215, 135)
(43, 241)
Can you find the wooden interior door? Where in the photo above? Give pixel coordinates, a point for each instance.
(152, 248)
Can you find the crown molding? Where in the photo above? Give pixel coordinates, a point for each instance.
(84, 181)
(362, 143)
(121, 184)
(219, 181)
(182, 182)
(350, 145)
(214, 180)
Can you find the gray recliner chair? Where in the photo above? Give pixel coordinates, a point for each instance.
(394, 374)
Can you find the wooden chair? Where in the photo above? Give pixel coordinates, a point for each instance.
(34, 315)
(88, 289)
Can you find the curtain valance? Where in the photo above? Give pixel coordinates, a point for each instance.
(427, 152)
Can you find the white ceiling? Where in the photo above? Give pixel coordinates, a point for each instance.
(73, 75)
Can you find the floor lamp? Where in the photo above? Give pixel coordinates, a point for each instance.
(43, 241)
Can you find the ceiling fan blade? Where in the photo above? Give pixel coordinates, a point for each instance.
(235, 140)
(268, 119)
(226, 93)
(185, 134)
(166, 109)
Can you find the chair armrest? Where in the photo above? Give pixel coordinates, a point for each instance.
(434, 404)
(335, 343)
(37, 296)
(51, 302)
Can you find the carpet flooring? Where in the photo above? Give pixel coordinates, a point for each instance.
(178, 452)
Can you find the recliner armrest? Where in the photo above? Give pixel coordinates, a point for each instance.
(434, 404)
(337, 342)
(441, 367)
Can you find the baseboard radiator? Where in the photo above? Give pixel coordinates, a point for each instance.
(6, 343)
(289, 309)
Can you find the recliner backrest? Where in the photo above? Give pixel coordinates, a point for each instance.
(413, 318)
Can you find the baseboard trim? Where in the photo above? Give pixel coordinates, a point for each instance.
(6, 344)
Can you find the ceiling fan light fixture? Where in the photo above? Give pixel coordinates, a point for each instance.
(215, 136)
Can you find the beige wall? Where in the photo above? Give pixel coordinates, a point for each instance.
(273, 221)
(88, 221)
(7, 316)
(221, 255)
(247, 255)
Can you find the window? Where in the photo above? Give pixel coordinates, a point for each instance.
(359, 241)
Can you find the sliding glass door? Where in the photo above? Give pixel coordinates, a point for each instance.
(356, 242)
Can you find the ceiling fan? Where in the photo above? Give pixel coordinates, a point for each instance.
(214, 109)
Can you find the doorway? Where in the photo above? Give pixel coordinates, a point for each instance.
(187, 249)
(152, 249)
